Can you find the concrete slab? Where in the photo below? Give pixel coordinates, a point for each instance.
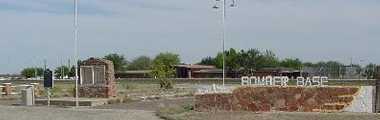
(71, 101)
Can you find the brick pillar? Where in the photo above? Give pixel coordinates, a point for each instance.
(377, 92)
(37, 89)
(7, 89)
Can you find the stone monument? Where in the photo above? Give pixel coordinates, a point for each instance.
(377, 91)
(97, 78)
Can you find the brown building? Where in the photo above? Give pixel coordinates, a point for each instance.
(291, 73)
(208, 71)
(134, 74)
(190, 70)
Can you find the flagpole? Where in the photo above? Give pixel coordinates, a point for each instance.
(223, 39)
(76, 51)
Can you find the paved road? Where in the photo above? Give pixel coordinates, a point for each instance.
(44, 113)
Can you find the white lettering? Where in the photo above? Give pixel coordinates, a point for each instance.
(245, 80)
(316, 81)
(323, 81)
(260, 81)
(269, 81)
(285, 81)
(300, 81)
(277, 81)
(308, 82)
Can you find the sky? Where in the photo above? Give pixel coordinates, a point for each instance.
(32, 31)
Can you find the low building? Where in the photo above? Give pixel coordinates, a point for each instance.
(134, 74)
(11, 77)
(207, 71)
(279, 71)
(191, 70)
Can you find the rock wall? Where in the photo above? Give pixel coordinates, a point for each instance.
(97, 91)
(290, 99)
(104, 90)
(363, 100)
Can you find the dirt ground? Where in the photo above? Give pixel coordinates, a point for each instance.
(147, 110)
(274, 116)
(52, 113)
(149, 105)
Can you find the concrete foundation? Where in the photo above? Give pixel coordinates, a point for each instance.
(71, 101)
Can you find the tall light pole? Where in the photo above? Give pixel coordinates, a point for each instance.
(76, 51)
(224, 28)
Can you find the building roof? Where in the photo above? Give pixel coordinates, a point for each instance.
(209, 71)
(278, 69)
(10, 75)
(193, 66)
(138, 71)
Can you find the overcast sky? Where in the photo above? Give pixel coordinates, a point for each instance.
(312, 30)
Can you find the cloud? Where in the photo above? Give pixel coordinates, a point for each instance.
(49, 6)
(34, 30)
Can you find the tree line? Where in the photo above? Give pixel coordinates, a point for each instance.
(251, 60)
(243, 60)
(120, 62)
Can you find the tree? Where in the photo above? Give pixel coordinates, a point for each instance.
(369, 71)
(250, 60)
(168, 59)
(267, 59)
(140, 63)
(207, 61)
(32, 72)
(119, 61)
(309, 64)
(72, 71)
(294, 63)
(163, 69)
(162, 73)
(333, 69)
(63, 71)
(231, 59)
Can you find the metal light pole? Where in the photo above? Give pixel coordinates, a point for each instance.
(76, 51)
(361, 68)
(224, 6)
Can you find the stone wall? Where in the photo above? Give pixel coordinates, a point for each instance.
(290, 99)
(377, 91)
(96, 91)
(363, 100)
(105, 90)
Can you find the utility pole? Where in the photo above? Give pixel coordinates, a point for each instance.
(224, 28)
(76, 30)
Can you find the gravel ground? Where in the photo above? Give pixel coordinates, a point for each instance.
(274, 116)
(44, 113)
(149, 105)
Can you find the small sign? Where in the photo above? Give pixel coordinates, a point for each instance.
(48, 79)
